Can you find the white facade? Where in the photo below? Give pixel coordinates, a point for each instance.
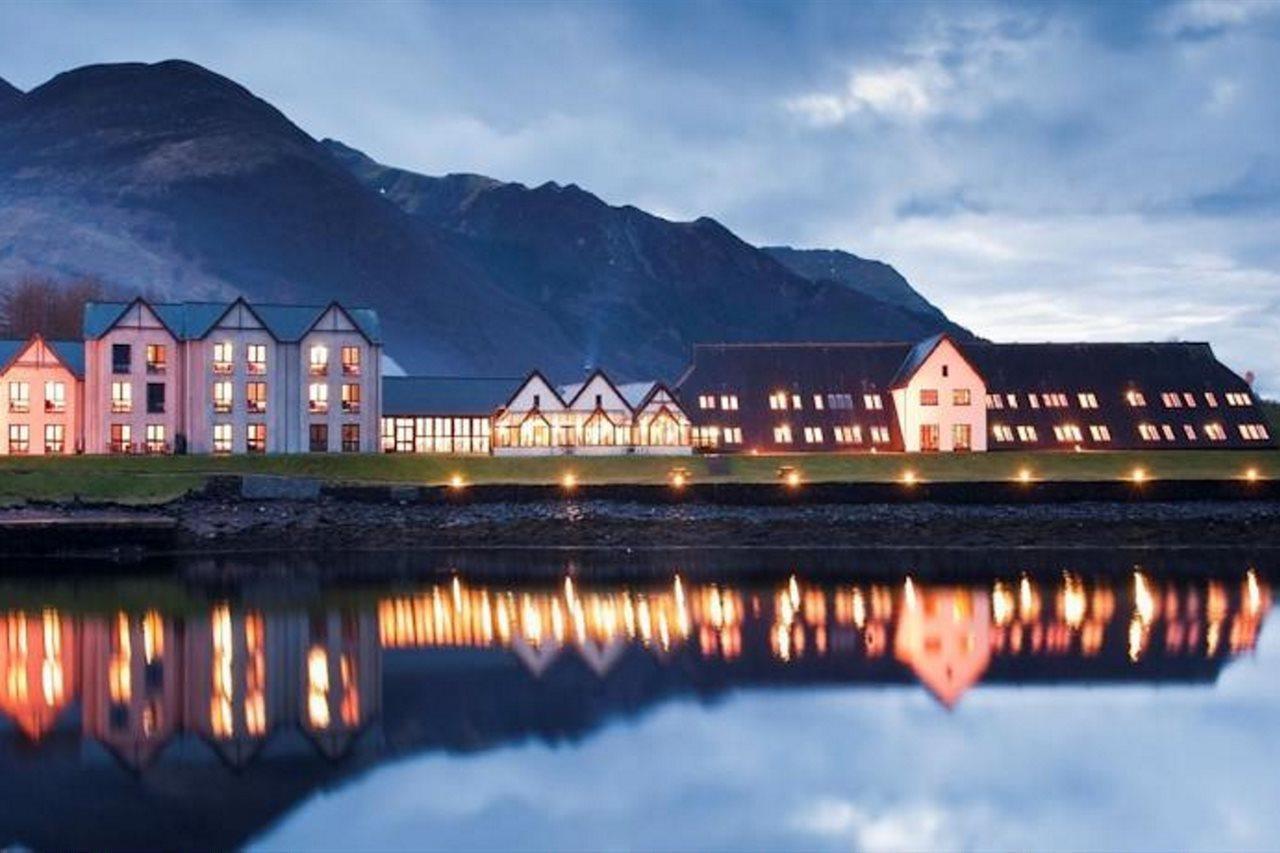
(133, 381)
(942, 406)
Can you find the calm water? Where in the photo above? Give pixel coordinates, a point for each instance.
(1073, 704)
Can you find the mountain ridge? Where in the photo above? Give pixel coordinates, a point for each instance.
(175, 180)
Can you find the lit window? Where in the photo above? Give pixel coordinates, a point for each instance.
(961, 437)
(995, 401)
(732, 435)
(222, 397)
(848, 434)
(55, 438)
(1253, 432)
(1027, 433)
(1148, 432)
(256, 438)
(1100, 432)
(1002, 432)
(813, 435)
(1033, 400)
(1215, 432)
(1189, 399)
(706, 401)
(1136, 399)
(55, 396)
(19, 397)
(222, 354)
(782, 434)
(706, 436)
(729, 402)
(156, 358)
(1167, 431)
(1088, 400)
(256, 359)
(351, 398)
(1054, 401)
(879, 435)
(928, 396)
(872, 402)
(1012, 400)
(121, 397)
(1236, 398)
(1067, 433)
(1190, 432)
(796, 403)
(350, 361)
(351, 438)
(961, 397)
(19, 438)
(817, 402)
(222, 438)
(318, 398)
(778, 401)
(255, 397)
(1211, 399)
(1171, 400)
(155, 442)
(318, 360)
(121, 438)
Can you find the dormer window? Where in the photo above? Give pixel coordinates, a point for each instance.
(351, 361)
(318, 360)
(256, 359)
(1136, 399)
(222, 354)
(156, 358)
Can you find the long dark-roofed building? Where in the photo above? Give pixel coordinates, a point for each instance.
(441, 414)
(942, 395)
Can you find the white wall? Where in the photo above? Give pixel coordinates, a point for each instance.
(945, 370)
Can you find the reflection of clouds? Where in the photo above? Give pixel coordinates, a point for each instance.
(1011, 768)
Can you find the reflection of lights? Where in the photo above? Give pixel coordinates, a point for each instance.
(1144, 603)
(793, 592)
(1137, 638)
(1028, 600)
(318, 687)
(1001, 603)
(1073, 601)
(909, 593)
(1252, 593)
(859, 608)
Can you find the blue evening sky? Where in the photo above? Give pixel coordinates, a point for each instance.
(1041, 171)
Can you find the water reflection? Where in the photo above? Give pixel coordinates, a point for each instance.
(235, 676)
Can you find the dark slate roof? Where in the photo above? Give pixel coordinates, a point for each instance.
(915, 358)
(193, 320)
(852, 367)
(446, 395)
(70, 352)
(1071, 367)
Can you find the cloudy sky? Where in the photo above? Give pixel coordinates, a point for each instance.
(1041, 171)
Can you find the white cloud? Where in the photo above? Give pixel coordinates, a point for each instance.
(903, 92)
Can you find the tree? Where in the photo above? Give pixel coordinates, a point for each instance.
(42, 304)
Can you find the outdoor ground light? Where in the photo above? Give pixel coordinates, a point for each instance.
(1139, 475)
(1251, 475)
(1024, 476)
(909, 477)
(456, 481)
(569, 481)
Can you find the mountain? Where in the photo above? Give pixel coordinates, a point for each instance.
(173, 180)
(872, 278)
(9, 94)
(620, 274)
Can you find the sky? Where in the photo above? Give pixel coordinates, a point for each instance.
(1044, 171)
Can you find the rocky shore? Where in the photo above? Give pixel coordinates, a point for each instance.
(208, 524)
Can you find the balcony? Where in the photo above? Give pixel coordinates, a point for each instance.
(351, 407)
(222, 407)
(120, 447)
(54, 407)
(350, 369)
(156, 367)
(314, 369)
(318, 407)
(256, 368)
(154, 447)
(222, 368)
(256, 406)
(121, 407)
(19, 407)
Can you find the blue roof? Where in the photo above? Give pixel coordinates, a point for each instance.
(70, 353)
(189, 321)
(446, 395)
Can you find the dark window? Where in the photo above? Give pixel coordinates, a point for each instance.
(155, 398)
(121, 358)
(946, 370)
(599, 401)
(537, 401)
(351, 438)
(319, 438)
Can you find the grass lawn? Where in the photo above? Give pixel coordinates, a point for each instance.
(155, 479)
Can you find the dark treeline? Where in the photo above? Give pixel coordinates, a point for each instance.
(48, 306)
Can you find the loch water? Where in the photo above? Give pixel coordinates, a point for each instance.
(838, 700)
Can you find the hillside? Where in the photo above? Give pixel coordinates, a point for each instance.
(173, 180)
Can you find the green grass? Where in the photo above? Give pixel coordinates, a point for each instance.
(144, 480)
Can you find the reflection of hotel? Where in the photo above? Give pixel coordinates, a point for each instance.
(236, 677)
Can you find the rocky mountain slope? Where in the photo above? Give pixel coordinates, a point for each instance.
(171, 179)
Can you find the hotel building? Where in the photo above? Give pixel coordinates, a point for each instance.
(204, 377)
(533, 417)
(947, 396)
(42, 383)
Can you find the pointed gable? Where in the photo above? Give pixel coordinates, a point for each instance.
(598, 386)
(239, 316)
(535, 393)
